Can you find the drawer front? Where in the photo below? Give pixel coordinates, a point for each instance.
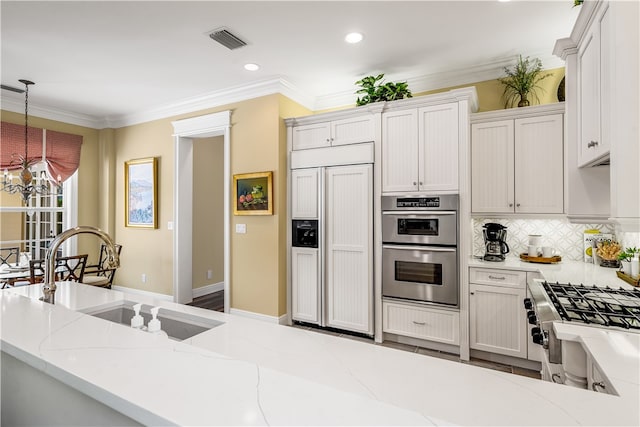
(421, 322)
(495, 277)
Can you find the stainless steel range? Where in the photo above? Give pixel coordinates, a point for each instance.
(579, 304)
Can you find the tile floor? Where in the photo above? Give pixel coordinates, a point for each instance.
(428, 352)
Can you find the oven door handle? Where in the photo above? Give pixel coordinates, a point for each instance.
(418, 248)
(424, 213)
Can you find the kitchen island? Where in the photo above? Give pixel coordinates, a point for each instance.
(256, 373)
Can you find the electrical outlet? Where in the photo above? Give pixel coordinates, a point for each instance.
(209, 274)
(241, 228)
(143, 278)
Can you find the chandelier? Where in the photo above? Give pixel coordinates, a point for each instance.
(27, 183)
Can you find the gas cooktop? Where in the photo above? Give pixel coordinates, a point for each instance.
(605, 307)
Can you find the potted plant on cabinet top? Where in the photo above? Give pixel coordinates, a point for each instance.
(522, 80)
(375, 91)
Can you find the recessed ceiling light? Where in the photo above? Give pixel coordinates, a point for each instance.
(353, 38)
(251, 67)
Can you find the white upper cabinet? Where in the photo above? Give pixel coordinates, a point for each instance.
(602, 68)
(517, 163)
(492, 176)
(438, 147)
(594, 92)
(420, 149)
(351, 130)
(539, 164)
(400, 151)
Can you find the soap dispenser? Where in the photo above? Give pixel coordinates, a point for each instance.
(136, 321)
(154, 323)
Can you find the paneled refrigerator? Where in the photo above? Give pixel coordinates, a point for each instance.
(332, 283)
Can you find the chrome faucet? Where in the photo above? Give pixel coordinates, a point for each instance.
(49, 288)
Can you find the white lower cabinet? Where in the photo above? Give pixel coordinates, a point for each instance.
(427, 323)
(305, 276)
(498, 322)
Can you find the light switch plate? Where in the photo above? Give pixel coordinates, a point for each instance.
(170, 225)
(241, 228)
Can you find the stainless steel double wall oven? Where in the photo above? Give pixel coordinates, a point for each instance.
(420, 248)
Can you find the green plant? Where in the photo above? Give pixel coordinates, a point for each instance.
(521, 80)
(577, 2)
(374, 90)
(628, 253)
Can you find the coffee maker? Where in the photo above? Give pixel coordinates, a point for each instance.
(495, 244)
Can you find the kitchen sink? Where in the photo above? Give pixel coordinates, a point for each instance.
(179, 326)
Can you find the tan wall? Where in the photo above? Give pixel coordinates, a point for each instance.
(490, 91)
(208, 211)
(146, 251)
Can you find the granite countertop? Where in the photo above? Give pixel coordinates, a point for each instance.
(250, 372)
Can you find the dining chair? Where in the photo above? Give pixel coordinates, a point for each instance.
(101, 274)
(68, 268)
(9, 255)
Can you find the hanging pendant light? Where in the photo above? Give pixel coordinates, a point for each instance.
(26, 183)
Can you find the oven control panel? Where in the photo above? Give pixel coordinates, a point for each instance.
(418, 202)
(445, 202)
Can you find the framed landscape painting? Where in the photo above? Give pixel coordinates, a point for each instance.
(141, 193)
(253, 194)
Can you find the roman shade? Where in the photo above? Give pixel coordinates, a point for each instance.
(62, 149)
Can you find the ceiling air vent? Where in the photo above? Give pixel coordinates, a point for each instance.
(226, 38)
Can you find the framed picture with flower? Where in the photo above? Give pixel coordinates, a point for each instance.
(253, 194)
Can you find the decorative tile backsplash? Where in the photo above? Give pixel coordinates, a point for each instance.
(565, 237)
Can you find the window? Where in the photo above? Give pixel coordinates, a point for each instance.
(33, 227)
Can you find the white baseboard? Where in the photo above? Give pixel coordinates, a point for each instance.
(208, 289)
(282, 320)
(141, 292)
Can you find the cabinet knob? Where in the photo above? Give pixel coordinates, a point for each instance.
(328, 140)
(331, 139)
(415, 183)
(421, 183)
(510, 205)
(472, 293)
(419, 323)
(592, 144)
(518, 205)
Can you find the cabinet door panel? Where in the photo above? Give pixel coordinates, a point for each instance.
(311, 136)
(399, 151)
(438, 147)
(304, 193)
(539, 164)
(349, 219)
(305, 280)
(352, 130)
(492, 187)
(589, 92)
(421, 322)
(498, 320)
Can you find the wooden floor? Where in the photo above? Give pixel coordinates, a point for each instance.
(213, 301)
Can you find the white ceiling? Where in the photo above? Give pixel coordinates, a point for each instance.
(119, 62)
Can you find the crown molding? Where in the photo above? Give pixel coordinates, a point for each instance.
(215, 99)
(418, 84)
(51, 113)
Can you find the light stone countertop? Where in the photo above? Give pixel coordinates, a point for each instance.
(251, 372)
(575, 272)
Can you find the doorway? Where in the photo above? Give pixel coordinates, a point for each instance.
(185, 131)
